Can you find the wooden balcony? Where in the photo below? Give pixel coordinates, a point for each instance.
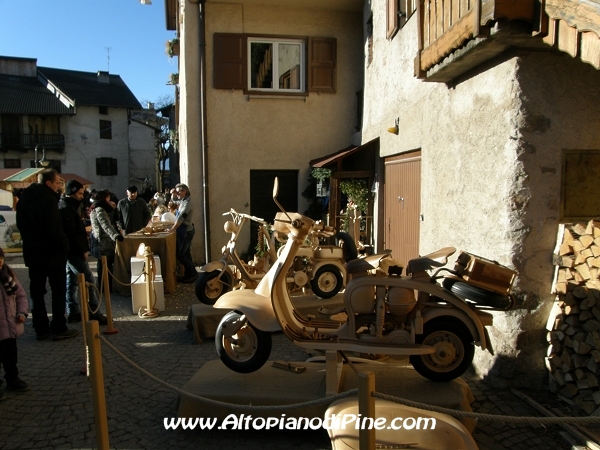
(24, 142)
(458, 35)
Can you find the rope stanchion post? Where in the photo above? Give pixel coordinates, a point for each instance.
(366, 409)
(92, 331)
(150, 274)
(106, 288)
(149, 256)
(83, 306)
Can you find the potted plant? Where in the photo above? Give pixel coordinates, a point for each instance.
(174, 79)
(172, 47)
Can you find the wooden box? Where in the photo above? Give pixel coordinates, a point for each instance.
(484, 273)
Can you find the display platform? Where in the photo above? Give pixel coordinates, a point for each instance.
(204, 319)
(273, 386)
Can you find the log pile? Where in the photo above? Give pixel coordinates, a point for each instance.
(573, 357)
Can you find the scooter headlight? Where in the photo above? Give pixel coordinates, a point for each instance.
(230, 227)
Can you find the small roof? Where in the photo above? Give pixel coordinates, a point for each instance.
(23, 175)
(71, 176)
(5, 173)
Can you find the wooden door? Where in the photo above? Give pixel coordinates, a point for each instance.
(261, 197)
(402, 205)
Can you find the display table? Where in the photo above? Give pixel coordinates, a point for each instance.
(161, 244)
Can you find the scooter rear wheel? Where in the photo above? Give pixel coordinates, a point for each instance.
(207, 292)
(454, 349)
(247, 350)
(327, 282)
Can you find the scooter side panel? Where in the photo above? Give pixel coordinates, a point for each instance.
(256, 308)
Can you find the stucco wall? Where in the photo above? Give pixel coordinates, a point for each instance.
(83, 145)
(490, 175)
(276, 133)
(142, 153)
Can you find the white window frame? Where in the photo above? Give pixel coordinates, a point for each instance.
(275, 45)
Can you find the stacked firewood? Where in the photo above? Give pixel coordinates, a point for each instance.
(573, 357)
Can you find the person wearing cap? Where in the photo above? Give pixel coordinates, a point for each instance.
(184, 227)
(77, 257)
(45, 248)
(133, 212)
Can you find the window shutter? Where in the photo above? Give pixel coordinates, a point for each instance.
(392, 18)
(229, 56)
(321, 67)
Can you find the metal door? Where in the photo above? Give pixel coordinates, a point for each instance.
(402, 205)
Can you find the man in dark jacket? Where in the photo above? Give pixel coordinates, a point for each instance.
(79, 250)
(133, 212)
(45, 247)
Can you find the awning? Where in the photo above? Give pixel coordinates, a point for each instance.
(71, 176)
(339, 155)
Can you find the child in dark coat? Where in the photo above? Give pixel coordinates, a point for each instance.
(13, 312)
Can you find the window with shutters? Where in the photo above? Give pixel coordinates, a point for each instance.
(276, 65)
(266, 64)
(12, 163)
(106, 166)
(105, 129)
(398, 13)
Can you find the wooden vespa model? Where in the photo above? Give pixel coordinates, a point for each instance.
(230, 272)
(387, 314)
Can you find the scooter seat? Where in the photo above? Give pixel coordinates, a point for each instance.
(365, 264)
(438, 258)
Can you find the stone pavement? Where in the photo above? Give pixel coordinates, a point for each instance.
(58, 414)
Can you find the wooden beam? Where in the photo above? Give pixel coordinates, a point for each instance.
(568, 38)
(450, 41)
(590, 48)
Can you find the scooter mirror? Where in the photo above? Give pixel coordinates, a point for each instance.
(275, 192)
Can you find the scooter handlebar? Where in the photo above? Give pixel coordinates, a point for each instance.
(234, 213)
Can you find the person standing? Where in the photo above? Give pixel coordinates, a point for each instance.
(45, 248)
(77, 257)
(133, 212)
(104, 234)
(13, 312)
(184, 227)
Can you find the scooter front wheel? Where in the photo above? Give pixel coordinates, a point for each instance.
(247, 350)
(208, 289)
(454, 349)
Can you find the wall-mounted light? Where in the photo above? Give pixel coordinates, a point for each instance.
(42, 161)
(146, 2)
(396, 128)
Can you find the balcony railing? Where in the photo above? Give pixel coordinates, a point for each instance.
(446, 26)
(24, 142)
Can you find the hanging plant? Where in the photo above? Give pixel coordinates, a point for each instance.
(357, 192)
(320, 173)
(174, 79)
(174, 138)
(172, 47)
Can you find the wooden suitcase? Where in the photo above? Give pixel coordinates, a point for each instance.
(484, 273)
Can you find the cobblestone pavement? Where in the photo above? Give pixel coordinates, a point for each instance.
(57, 412)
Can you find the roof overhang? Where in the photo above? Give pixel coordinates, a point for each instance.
(337, 157)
